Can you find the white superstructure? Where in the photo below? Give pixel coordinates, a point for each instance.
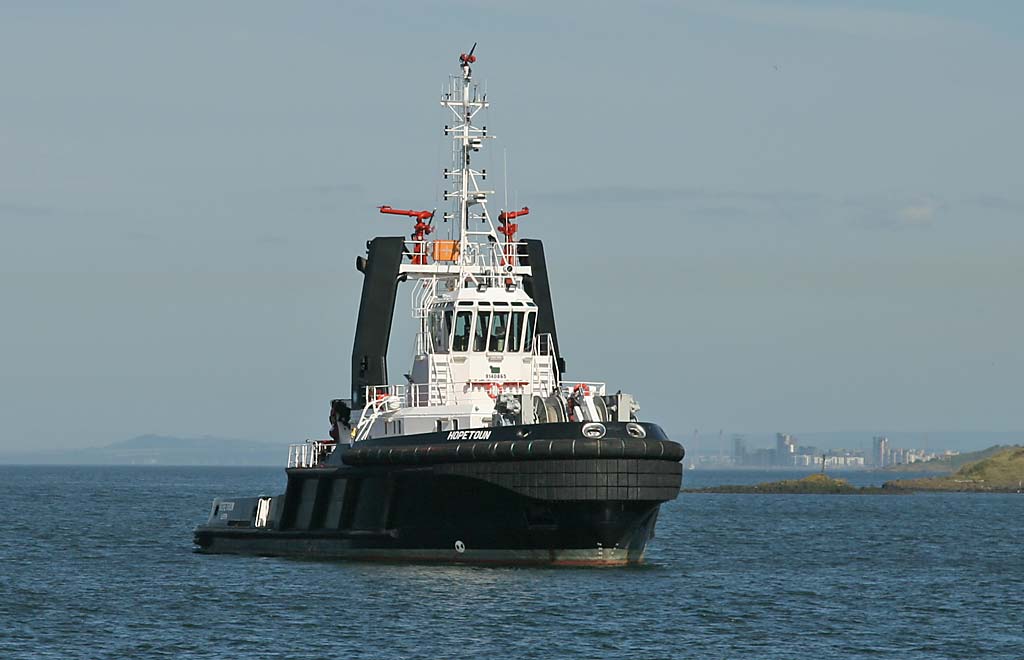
(479, 361)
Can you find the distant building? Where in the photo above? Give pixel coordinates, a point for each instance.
(881, 453)
(844, 459)
(739, 450)
(761, 458)
(806, 460)
(787, 453)
(785, 449)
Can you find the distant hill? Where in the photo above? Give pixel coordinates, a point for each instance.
(947, 463)
(1002, 471)
(161, 450)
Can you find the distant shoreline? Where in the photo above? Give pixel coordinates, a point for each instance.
(145, 466)
(157, 450)
(814, 484)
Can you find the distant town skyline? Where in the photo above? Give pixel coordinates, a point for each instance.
(758, 215)
(722, 444)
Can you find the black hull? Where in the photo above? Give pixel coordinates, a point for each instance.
(590, 541)
(470, 508)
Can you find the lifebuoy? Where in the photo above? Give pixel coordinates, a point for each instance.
(494, 390)
(581, 388)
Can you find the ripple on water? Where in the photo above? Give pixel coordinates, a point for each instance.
(97, 562)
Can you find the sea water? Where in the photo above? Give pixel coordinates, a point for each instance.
(97, 562)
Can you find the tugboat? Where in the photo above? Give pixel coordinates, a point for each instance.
(486, 454)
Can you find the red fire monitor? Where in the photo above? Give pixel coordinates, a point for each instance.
(422, 227)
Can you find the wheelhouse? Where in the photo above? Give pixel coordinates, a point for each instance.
(481, 326)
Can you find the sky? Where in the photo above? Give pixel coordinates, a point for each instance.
(760, 216)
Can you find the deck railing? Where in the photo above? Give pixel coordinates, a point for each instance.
(309, 454)
(413, 395)
(566, 387)
(446, 251)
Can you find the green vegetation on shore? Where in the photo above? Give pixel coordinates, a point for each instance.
(947, 463)
(1000, 472)
(815, 484)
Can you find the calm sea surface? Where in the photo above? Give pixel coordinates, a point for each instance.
(97, 562)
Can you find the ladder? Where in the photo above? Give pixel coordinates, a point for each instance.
(440, 381)
(423, 294)
(542, 370)
(542, 375)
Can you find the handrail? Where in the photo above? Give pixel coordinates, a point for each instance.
(476, 254)
(379, 392)
(543, 344)
(595, 388)
(310, 454)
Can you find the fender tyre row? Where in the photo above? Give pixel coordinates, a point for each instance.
(512, 450)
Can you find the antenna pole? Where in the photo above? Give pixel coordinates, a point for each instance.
(477, 246)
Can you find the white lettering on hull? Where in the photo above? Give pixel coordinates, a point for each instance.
(469, 435)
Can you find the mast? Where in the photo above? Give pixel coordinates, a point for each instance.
(474, 253)
(477, 246)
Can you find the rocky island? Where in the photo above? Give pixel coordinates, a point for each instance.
(1002, 472)
(815, 484)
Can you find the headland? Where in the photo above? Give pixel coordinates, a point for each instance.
(1002, 472)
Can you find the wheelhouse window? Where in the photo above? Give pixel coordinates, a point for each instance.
(499, 325)
(463, 323)
(439, 327)
(480, 336)
(528, 338)
(515, 332)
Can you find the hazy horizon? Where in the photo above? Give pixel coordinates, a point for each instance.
(711, 443)
(768, 216)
